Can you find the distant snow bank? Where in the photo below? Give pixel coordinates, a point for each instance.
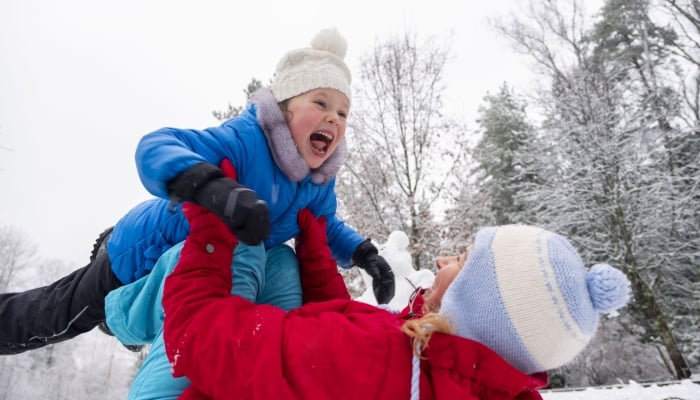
(687, 389)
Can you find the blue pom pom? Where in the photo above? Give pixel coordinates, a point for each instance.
(609, 288)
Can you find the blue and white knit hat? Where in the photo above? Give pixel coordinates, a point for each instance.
(525, 293)
(318, 66)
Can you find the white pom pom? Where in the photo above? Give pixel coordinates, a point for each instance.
(609, 288)
(330, 40)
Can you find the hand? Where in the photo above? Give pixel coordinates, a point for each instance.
(240, 209)
(205, 225)
(312, 242)
(367, 257)
(318, 269)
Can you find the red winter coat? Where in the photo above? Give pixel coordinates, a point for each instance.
(230, 348)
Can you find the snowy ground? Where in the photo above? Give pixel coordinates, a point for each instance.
(683, 390)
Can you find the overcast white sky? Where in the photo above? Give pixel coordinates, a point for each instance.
(81, 81)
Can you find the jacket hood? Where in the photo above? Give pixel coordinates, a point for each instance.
(282, 146)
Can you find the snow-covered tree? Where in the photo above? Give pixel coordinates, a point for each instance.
(16, 253)
(402, 147)
(499, 171)
(685, 149)
(231, 110)
(604, 152)
(91, 366)
(685, 19)
(486, 193)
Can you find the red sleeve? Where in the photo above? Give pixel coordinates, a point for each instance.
(229, 347)
(211, 337)
(318, 269)
(200, 278)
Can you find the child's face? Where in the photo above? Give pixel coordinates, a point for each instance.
(448, 268)
(317, 120)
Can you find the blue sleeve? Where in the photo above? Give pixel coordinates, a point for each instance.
(165, 153)
(142, 235)
(342, 238)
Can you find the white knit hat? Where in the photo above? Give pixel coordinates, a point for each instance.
(318, 66)
(525, 293)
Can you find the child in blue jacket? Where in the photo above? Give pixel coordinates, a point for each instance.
(285, 149)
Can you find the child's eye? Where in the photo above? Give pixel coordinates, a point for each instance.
(320, 103)
(342, 115)
(461, 259)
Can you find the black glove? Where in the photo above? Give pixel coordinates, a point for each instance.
(239, 207)
(367, 257)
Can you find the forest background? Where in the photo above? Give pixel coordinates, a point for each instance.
(605, 150)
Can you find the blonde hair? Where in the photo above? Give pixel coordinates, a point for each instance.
(421, 330)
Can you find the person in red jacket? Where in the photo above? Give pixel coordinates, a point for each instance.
(522, 302)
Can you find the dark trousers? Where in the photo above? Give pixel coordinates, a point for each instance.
(60, 311)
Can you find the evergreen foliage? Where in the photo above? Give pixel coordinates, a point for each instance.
(499, 168)
(232, 111)
(611, 175)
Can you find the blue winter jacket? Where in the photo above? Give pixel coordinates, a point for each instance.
(259, 145)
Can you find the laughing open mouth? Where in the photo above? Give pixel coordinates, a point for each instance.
(321, 141)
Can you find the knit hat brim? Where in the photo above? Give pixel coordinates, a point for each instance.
(318, 66)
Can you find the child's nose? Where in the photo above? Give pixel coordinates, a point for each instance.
(332, 118)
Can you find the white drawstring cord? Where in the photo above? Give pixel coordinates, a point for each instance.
(415, 373)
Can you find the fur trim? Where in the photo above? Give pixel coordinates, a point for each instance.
(282, 146)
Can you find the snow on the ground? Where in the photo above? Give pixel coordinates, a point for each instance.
(683, 390)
